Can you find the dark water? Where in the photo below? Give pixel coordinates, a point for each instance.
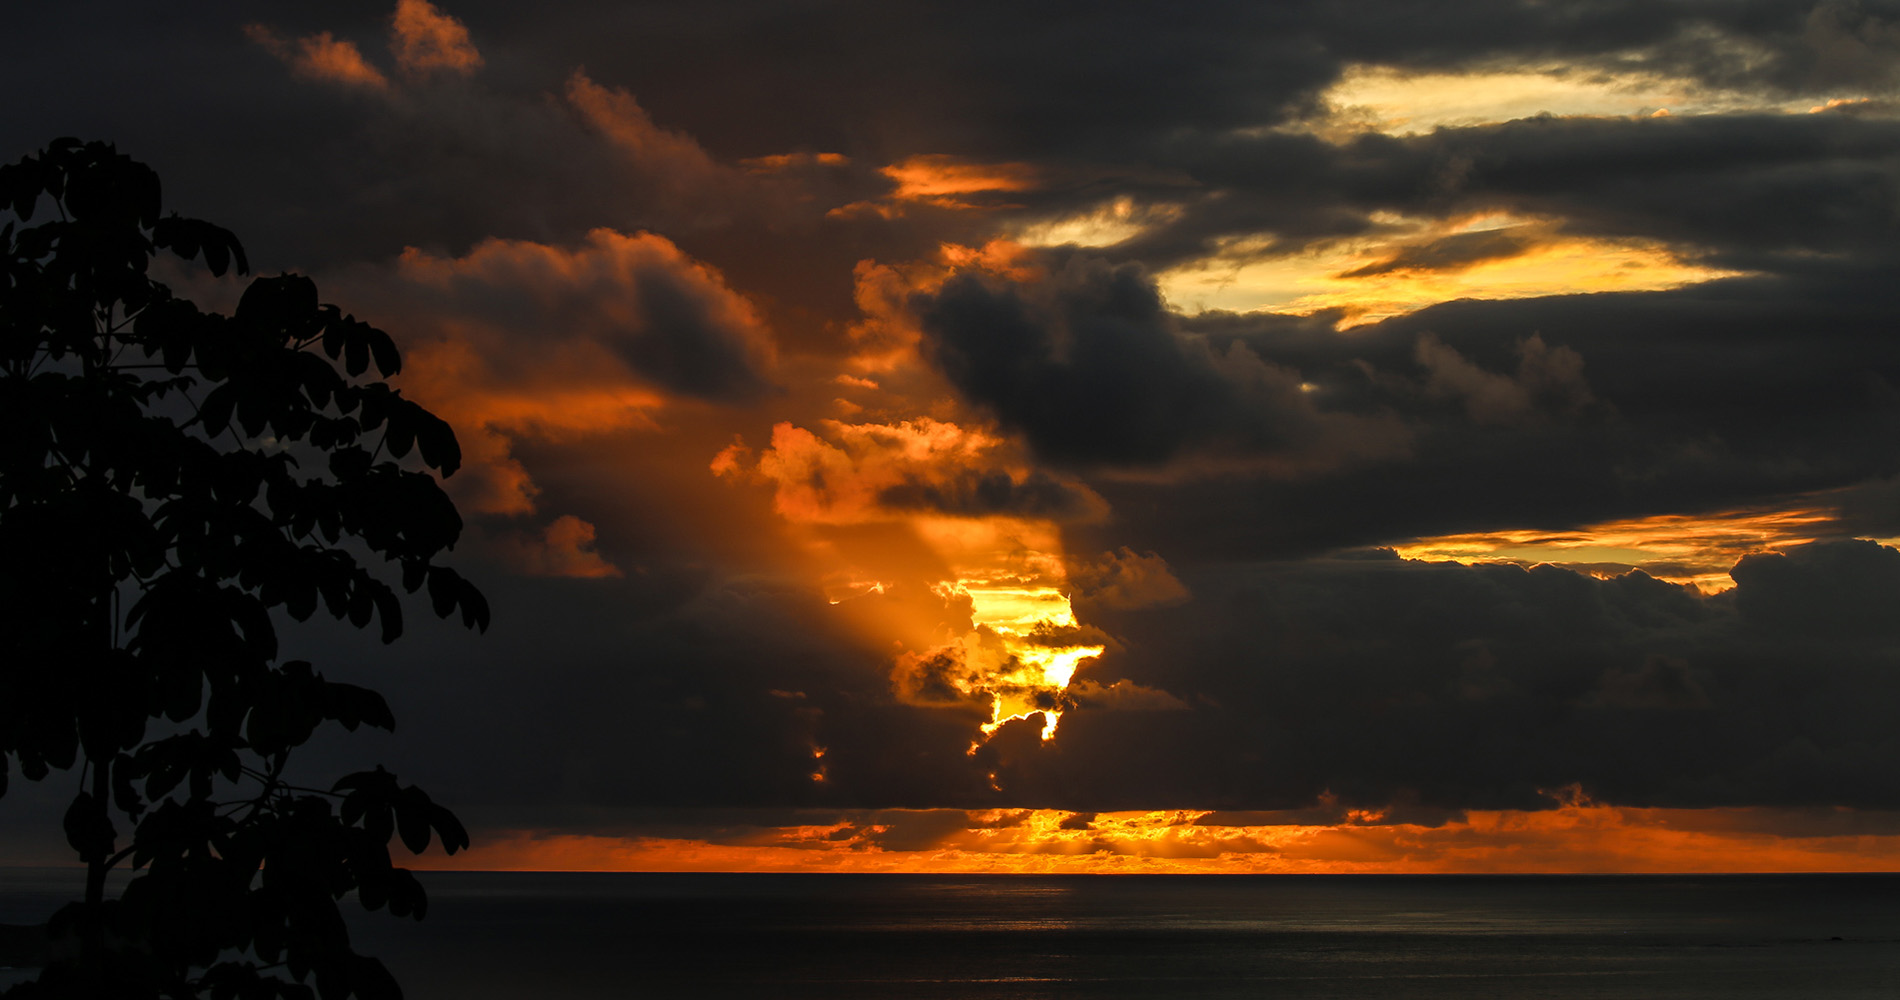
(1026, 938)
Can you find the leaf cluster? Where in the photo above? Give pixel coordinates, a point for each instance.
(170, 480)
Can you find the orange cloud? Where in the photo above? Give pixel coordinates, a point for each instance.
(780, 162)
(424, 40)
(943, 181)
(320, 57)
(1578, 837)
(489, 405)
(686, 186)
(673, 161)
(817, 481)
(871, 472)
(523, 339)
(939, 178)
(618, 115)
(564, 548)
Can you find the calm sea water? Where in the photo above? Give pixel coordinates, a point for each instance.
(558, 936)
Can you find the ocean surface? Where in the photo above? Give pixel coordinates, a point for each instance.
(558, 936)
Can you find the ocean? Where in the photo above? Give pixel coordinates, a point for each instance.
(999, 937)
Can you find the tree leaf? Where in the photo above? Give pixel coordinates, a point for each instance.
(437, 440)
(443, 591)
(383, 349)
(87, 828)
(454, 836)
(412, 821)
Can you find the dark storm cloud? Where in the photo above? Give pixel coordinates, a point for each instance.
(1449, 254)
(690, 344)
(1543, 412)
(1089, 365)
(637, 298)
(1372, 682)
(1090, 80)
(887, 80)
(1747, 190)
(1713, 396)
(1785, 47)
(973, 493)
(1871, 510)
(1165, 100)
(309, 173)
(1110, 98)
(672, 688)
(445, 164)
(1742, 187)
(1383, 681)
(313, 173)
(1833, 593)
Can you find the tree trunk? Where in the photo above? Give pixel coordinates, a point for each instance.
(92, 942)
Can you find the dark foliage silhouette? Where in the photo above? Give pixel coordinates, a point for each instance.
(172, 481)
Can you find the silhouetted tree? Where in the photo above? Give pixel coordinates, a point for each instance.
(171, 480)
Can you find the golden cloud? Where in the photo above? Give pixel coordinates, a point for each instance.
(1407, 264)
(1693, 549)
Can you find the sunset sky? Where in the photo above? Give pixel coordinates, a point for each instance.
(1293, 436)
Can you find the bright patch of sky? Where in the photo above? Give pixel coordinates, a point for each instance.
(1104, 225)
(1696, 549)
(1369, 279)
(1389, 100)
